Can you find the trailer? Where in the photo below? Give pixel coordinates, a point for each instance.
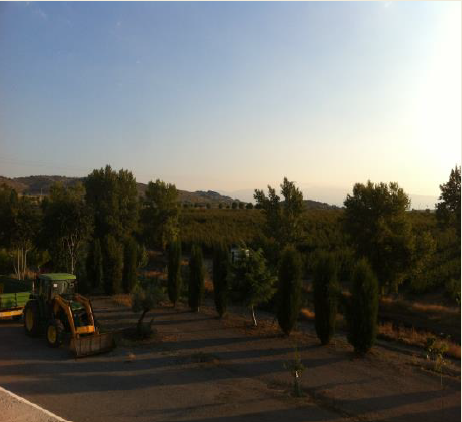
(14, 295)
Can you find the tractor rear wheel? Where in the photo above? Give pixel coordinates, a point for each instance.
(32, 319)
(55, 331)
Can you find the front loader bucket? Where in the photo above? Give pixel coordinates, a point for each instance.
(92, 345)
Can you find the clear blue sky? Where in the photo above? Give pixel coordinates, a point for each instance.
(233, 96)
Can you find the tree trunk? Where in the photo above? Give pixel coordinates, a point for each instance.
(253, 316)
(140, 321)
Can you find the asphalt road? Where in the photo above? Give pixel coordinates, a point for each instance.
(205, 370)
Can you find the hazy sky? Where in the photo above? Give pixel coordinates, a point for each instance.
(233, 96)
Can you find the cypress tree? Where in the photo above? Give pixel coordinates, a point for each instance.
(220, 277)
(362, 308)
(174, 271)
(94, 265)
(289, 291)
(196, 278)
(325, 293)
(112, 265)
(130, 265)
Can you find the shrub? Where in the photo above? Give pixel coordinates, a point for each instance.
(289, 292)
(362, 308)
(112, 265)
(196, 278)
(325, 292)
(174, 271)
(130, 265)
(220, 277)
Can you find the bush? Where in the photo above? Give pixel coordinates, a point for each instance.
(289, 291)
(362, 308)
(196, 278)
(112, 266)
(325, 293)
(174, 271)
(220, 278)
(130, 265)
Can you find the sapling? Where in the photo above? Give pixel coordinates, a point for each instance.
(296, 368)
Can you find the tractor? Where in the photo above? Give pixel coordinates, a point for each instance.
(54, 308)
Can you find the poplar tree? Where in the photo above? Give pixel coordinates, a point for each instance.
(196, 278)
(174, 271)
(220, 277)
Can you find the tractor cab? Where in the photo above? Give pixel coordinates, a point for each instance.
(51, 285)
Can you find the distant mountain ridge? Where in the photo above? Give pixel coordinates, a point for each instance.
(40, 185)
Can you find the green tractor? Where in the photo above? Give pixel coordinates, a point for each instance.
(55, 308)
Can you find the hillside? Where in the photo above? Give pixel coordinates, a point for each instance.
(40, 185)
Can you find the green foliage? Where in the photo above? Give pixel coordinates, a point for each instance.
(146, 295)
(130, 265)
(174, 271)
(289, 290)
(159, 215)
(112, 265)
(325, 293)
(20, 224)
(67, 223)
(196, 278)
(362, 308)
(113, 199)
(283, 219)
(221, 269)
(94, 265)
(448, 210)
(378, 228)
(241, 205)
(252, 282)
(249, 206)
(234, 205)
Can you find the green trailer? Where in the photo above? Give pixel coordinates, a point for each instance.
(14, 295)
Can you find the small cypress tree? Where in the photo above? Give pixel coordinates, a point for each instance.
(174, 271)
(325, 292)
(196, 278)
(130, 265)
(220, 277)
(289, 290)
(112, 266)
(363, 308)
(94, 265)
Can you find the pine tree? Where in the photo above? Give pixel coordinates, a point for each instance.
(289, 291)
(363, 308)
(220, 277)
(112, 265)
(130, 265)
(196, 278)
(325, 292)
(174, 271)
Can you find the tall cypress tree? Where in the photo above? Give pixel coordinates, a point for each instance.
(289, 291)
(220, 277)
(325, 292)
(363, 308)
(174, 271)
(112, 265)
(196, 278)
(94, 265)
(130, 265)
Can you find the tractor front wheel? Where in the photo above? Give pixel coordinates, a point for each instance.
(55, 330)
(32, 319)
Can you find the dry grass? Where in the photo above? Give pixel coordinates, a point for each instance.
(122, 300)
(410, 336)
